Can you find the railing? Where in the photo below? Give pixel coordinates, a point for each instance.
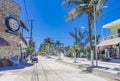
(112, 36)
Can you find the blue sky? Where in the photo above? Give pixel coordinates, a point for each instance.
(50, 21)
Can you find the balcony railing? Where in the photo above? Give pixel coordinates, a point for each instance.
(112, 36)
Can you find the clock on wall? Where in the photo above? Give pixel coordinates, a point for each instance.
(12, 24)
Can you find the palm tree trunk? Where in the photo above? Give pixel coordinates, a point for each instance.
(48, 50)
(75, 58)
(90, 33)
(59, 55)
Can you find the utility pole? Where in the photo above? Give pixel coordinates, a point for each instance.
(31, 30)
(31, 35)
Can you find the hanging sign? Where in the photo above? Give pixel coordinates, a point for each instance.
(12, 25)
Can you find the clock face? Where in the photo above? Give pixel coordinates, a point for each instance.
(12, 24)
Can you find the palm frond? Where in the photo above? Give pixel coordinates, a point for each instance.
(72, 2)
(74, 13)
(74, 36)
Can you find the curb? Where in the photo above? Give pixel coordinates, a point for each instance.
(115, 76)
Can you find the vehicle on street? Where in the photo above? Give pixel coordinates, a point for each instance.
(34, 58)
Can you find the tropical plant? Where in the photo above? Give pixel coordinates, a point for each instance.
(29, 50)
(48, 42)
(66, 50)
(81, 37)
(81, 7)
(74, 50)
(50, 47)
(58, 44)
(42, 49)
(87, 51)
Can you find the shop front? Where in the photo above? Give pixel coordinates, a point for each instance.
(109, 47)
(10, 24)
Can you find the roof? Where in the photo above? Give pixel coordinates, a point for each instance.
(23, 25)
(116, 22)
(109, 42)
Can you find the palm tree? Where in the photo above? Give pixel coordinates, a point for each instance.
(48, 42)
(42, 49)
(84, 7)
(82, 39)
(74, 49)
(29, 50)
(58, 44)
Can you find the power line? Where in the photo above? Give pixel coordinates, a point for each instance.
(30, 7)
(26, 11)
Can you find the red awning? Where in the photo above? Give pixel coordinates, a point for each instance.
(23, 25)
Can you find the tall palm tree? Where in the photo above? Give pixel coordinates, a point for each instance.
(81, 38)
(85, 7)
(58, 44)
(48, 42)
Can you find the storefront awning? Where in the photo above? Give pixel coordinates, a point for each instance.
(23, 25)
(3, 42)
(109, 42)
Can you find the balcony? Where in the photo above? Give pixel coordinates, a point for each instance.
(111, 37)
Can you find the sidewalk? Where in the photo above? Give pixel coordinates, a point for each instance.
(104, 69)
(80, 61)
(15, 72)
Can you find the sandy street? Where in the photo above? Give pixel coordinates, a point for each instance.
(48, 70)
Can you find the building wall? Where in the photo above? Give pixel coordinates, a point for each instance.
(114, 29)
(9, 8)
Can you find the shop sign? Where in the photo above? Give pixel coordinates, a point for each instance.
(113, 46)
(12, 25)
